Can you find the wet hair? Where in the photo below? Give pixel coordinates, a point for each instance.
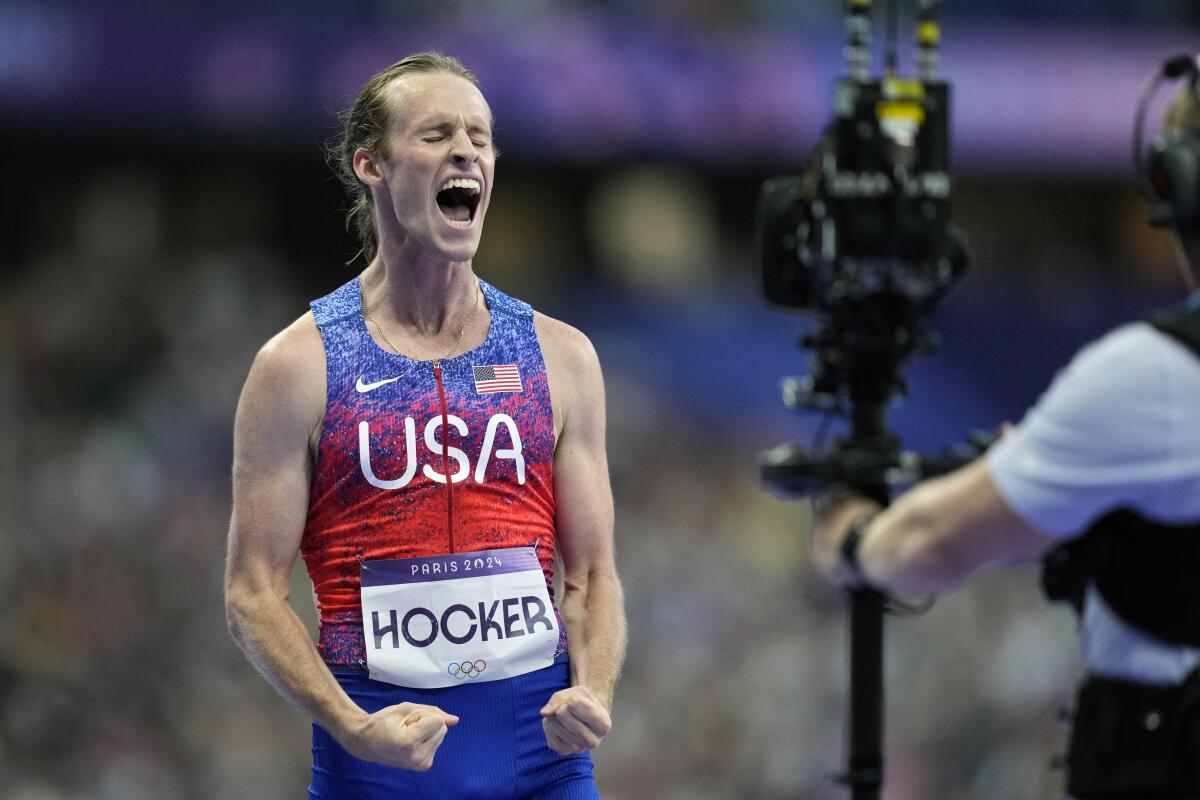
(365, 125)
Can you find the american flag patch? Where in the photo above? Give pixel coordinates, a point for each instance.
(493, 378)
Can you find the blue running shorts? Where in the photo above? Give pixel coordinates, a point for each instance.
(497, 751)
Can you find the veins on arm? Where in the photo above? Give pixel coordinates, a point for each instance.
(272, 468)
(593, 604)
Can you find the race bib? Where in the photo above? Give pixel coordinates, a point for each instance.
(445, 620)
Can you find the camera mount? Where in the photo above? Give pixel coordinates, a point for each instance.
(863, 239)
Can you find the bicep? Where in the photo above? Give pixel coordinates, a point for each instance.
(583, 494)
(271, 475)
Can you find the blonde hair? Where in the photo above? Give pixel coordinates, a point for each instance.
(365, 126)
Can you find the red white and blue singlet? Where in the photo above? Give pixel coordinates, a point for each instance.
(380, 489)
(380, 492)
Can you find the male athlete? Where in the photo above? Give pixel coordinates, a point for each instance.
(1109, 460)
(428, 444)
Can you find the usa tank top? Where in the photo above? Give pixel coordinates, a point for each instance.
(419, 461)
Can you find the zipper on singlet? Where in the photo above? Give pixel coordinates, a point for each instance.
(437, 374)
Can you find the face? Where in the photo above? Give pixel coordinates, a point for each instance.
(436, 180)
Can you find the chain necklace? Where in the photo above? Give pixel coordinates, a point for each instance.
(436, 361)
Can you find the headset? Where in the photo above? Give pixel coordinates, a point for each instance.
(1169, 173)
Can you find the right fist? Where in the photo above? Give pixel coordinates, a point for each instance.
(406, 735)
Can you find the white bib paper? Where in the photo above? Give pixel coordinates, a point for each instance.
(445, 620)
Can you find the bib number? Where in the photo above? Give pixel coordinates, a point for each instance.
(467, 617)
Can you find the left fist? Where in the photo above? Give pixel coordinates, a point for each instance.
(575, 720)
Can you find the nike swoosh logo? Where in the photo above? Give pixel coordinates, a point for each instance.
(370, 387)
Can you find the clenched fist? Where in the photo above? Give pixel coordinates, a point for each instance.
(575, 720)
(406, 735)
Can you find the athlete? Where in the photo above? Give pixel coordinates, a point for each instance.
(1108, 459)
(428, 445)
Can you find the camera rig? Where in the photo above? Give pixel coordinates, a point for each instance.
(863, 240)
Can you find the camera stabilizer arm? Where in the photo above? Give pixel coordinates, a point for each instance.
(864, 240)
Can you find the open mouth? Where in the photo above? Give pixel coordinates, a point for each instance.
(458, 198)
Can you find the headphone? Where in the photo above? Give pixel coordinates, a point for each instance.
(1169, 173)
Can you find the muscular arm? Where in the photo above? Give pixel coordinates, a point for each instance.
(931, 538)
(592, 605)
(281, 404)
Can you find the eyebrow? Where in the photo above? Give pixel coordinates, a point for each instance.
(445, 126)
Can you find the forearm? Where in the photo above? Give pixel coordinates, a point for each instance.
(930, 539)
(911, 548)
(276, 642)
(942, 533)
(593, 611)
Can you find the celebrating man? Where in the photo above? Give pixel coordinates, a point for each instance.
(428, 444)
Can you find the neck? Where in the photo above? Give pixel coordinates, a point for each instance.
(427, 295)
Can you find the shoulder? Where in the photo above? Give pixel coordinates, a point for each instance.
(573, 372)
(1125, 376)
(295, 353)
(564, 345)
(1102, 434)
(1123, 372)
(1132, 351)
(287, 380)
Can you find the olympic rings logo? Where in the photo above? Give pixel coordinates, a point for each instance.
(467, 669)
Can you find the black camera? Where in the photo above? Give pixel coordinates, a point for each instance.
(864, 239)
(870, 216)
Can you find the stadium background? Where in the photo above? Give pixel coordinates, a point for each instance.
(166, 208)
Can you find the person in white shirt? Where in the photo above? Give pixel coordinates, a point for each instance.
(1108, 459)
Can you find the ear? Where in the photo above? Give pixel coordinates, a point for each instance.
(368, 168)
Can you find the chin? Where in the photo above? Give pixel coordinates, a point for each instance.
(460, 252)
(461, 244)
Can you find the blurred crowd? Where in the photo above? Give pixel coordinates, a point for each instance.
(122, 358)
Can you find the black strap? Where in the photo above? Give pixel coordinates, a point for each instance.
(1146, 571)
(1181, 323)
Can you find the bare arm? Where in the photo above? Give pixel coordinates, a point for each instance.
(592, 605)
(281, 404)
(931, 538)
(1065, 465)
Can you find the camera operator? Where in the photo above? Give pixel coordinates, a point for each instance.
(1103, 474)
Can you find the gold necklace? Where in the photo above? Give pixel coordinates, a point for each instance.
(435, 361)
